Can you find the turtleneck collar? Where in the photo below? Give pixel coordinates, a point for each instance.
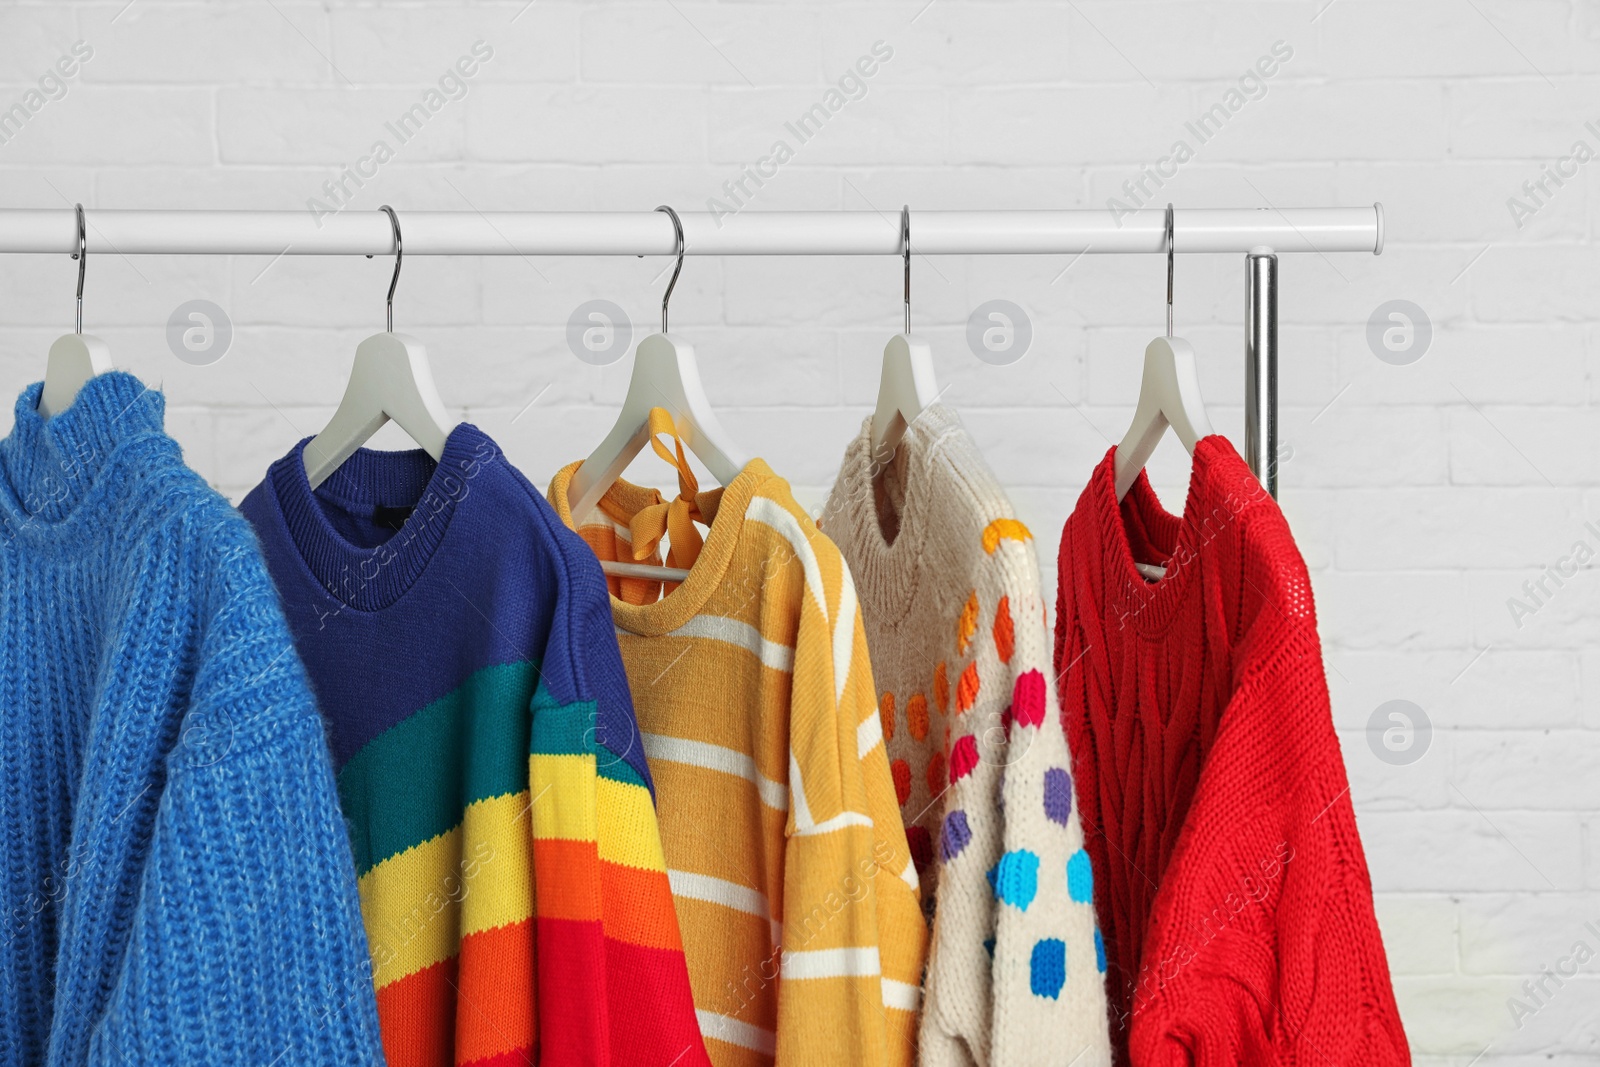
(50, 468)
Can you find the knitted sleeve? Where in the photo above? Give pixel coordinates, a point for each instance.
(1266, 948)
(246, 944)
(853, 933)
(1016, 973)
(613, 981)
(1049, 961)
(958, 1002)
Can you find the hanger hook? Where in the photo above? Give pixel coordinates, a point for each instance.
(82, 256)
(905, 251)
(677, 229)
(399, 254)
(1170, 242)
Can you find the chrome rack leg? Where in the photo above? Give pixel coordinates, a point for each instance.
(1261, 366)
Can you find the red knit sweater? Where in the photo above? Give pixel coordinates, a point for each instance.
(1231, 887)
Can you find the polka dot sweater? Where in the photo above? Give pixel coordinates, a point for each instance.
(1233, 891)
(949, 590)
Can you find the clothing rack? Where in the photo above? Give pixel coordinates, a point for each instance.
(1259, 233)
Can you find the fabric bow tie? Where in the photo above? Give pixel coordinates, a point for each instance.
(677, 516)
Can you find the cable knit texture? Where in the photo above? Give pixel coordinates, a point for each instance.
(1234, 894)
(178, 885)
(949, 589)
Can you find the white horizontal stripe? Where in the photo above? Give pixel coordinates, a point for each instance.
(838, 822)
(719, 891)
(831, 963)
(732, 631)
(728, 894)
(901, 995)
(723, 1028)
(623, 532)
(868, 734)
(711, 757)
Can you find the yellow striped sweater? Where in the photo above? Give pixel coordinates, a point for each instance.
(794, 887)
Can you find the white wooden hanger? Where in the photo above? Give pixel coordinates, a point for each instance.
(76, 357)
(391, 379)
(907, 385)
(1169, 395)
(665, 375)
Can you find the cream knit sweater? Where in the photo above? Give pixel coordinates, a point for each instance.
(949, 592)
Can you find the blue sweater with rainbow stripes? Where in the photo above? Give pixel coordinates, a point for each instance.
(460, 643)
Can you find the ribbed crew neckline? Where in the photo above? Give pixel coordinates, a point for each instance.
(53, 469)
(1140, 530)
(888, 573)
(690, 597)
(371, 579)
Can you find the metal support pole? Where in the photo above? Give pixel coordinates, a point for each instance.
(1261, 366)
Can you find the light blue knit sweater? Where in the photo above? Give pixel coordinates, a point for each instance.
(177, 884)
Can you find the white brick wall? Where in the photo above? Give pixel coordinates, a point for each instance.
(1423, 496)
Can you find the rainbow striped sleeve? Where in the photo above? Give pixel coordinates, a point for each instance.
(438, 811)
(605, 917)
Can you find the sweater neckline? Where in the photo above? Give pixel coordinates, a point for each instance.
(1139, 529)
(374, 578)
(888, 573)
(728, 504)
(53, 470)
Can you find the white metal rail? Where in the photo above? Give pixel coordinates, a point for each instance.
(650, 233)
(1258, 233)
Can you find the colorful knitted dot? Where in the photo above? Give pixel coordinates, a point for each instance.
(967, 625)
(917, 716)
(936, 774)
(886, 715)
(963, 758)
(956, 835)
(921, 846)
(1099, 952)
(967, 687)
(1005, 638)
(901, 770)
(1016, 878)
(1080, 877)
(1004, 530)
(1057, 795)
(1027, 699)
(1047, 970)
(988, 946)
(941, 688)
